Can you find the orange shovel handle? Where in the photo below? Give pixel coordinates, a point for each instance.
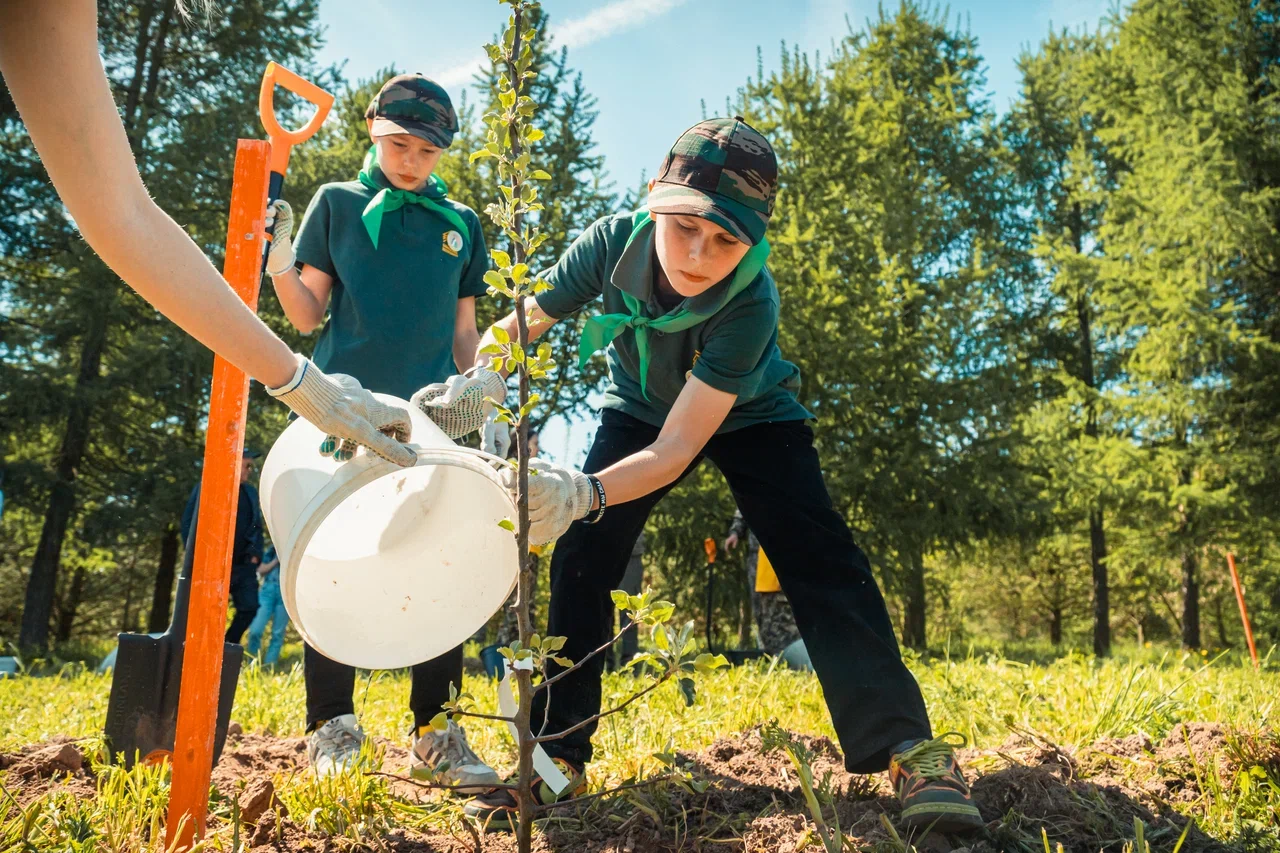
(282, 140)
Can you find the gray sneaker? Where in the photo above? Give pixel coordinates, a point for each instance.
(335, 746)
(465, 768)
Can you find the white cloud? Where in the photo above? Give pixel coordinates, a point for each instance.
(610, 19)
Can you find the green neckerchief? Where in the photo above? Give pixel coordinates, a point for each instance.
(389, 198)
(600, 331)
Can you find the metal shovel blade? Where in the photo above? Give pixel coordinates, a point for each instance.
(142, 714)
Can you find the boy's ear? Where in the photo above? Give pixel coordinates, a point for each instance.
(368, 125)
(652, 181)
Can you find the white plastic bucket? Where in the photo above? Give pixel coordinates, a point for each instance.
(383, 567)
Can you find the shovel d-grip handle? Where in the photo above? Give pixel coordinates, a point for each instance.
(282, 141)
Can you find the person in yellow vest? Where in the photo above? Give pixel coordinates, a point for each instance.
(774, 620)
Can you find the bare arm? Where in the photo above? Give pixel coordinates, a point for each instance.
(49, 58)
(304, 296)
(466, 337)
(698, 413)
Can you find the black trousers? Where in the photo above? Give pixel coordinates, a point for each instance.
(330, 686)
(775, 477)
(244, 597)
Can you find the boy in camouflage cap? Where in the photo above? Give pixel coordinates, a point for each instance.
(397, 265)
(690, 331)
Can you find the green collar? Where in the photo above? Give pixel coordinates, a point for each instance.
(389, 198)
(634, 276)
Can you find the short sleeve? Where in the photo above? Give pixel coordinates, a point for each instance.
(312, 245)
(577, 279)
(472, 283)
(733, 350)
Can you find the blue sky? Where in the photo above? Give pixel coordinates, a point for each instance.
(650, 62)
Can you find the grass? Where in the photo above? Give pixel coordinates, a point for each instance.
(1071, 701)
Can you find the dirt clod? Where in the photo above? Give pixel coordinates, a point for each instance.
(256, 799)
(48, 761)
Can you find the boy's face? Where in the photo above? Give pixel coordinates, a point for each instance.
(695, 253)
(406, 160)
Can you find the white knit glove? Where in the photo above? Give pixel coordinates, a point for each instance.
(458, 404)
(558, 496)
(495, 437)
(347, 412)
(281, 257)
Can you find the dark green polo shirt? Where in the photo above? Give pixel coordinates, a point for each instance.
(392, 309)
(735, 350)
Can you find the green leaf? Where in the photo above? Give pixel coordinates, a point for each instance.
(500, 258)
(500, 335)
(620, 598)
(540, 175)
(507, 524)
(533, 135)
(641, 659)
(494, 279)
(565, 662)
(519, 273)
(440, 722)
(660, 639)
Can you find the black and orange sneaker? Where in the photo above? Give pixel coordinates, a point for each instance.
(497, 810)
(931, 787)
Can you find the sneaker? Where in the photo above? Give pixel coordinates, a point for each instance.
(432, 749)
(498, 811)
(335, 746)
(931, 787)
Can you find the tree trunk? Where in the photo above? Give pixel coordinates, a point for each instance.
(1220, 618)
(1190, 600)
(43, 581)
(1101, 586)
(162, 594)
(1097, 533)
(67, 613)
(913, 620)
(1055, 625)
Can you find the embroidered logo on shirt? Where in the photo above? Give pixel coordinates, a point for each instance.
(688, 374)
(452, 243)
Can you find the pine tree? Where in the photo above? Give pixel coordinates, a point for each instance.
(1184, 227)
(1067, 174)
(186, 93)
(897, 288)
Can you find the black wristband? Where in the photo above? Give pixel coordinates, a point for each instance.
(595, 515)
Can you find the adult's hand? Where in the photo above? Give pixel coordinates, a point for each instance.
(348, 413)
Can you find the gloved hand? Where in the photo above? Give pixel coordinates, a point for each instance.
(558, 496)
(458, 404)
(495, 437)
(281, 257)
(339, 406)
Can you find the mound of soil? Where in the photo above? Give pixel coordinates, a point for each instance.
(1086, 799)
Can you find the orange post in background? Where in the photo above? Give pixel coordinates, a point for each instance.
(1244, 611)
(215, 524)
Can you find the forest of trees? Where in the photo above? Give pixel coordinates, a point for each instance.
(1043, 344)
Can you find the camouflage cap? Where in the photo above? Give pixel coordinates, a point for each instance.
(413, 104)
(723, 170)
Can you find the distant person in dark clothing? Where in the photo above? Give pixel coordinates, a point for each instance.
(246, 552)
